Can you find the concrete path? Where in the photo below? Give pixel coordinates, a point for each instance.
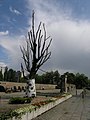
(75, 108)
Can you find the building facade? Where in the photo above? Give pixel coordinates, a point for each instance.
(3, 68)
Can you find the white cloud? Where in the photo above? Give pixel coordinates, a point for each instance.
(2, 64)
(11, 47)
(71, 39)
(4, 33)
(15, 11)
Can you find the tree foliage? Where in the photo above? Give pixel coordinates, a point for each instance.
(81, 80)
(1, 76)
(53, 77)
(10, 75)
(6, 74)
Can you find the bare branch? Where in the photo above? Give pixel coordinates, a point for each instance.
(22, 69)
(44, 39)
(38, 30)
(37, 49)
(30, 40)
(33, 33)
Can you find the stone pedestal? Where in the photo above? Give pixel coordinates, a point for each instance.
(30, 88)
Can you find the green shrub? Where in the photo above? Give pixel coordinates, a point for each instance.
(19, 100)
(28, 100)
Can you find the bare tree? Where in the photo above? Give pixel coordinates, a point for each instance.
(37, 51)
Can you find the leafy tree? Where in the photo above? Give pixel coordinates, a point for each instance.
(81, 80)
(6, 74)
(44, 79)
(88, 83)
(17, 76)
(1, 76)
(11, 75)
(38, 78)
(62, 83)
(70, 77)
(56, 77)
(48, 78)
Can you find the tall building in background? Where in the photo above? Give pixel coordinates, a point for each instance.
(2, 68)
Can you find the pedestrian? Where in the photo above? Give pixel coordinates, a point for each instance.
(0, 98)
(82, 94)
(76, 91)
(85, 91)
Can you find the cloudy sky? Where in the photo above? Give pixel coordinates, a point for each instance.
(66, 21)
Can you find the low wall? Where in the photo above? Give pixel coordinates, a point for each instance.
(38, 86)
(45, 86)
(42, 109)
(12, 84)
(70, 87)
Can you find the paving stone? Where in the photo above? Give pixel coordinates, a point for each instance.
(73, 109)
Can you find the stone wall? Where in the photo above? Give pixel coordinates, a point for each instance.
(38, 86)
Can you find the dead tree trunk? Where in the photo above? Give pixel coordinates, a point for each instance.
(37, 51)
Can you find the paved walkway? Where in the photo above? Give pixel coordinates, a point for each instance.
(75, 108)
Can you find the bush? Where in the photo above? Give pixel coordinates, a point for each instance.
(19, 100)
(27, 100)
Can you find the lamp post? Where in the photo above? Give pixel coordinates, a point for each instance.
(65, 83)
